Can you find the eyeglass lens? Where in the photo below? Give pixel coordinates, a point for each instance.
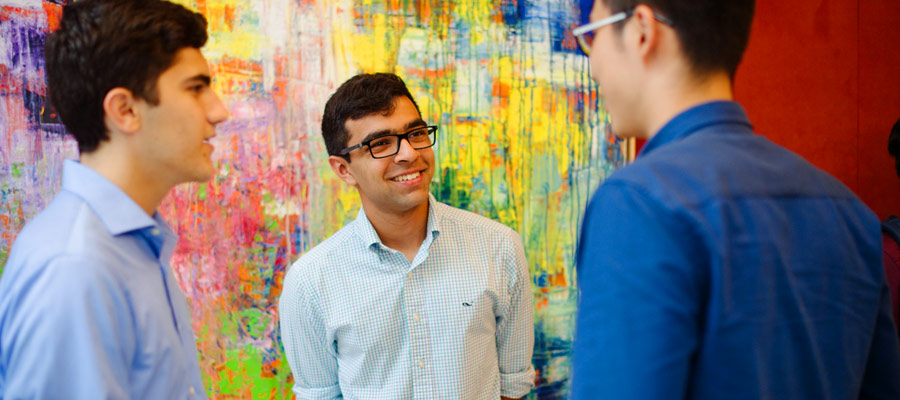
(586, 40)
(389, 145)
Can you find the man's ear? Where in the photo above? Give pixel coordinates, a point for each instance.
(341, 167)
(648, 30)
(121, 113)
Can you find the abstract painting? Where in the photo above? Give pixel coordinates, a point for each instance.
(522, 140)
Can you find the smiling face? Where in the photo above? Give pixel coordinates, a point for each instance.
(173, 144)
(394, 185)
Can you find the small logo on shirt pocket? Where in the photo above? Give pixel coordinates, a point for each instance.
(466, 304)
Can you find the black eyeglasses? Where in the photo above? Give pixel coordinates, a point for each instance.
(421, 137)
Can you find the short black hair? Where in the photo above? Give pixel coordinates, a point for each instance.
(104, 44)
(359, 96)
(713, 33)
(894, 146)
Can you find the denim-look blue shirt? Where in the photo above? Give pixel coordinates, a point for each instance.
(721, 266)
(89, 308)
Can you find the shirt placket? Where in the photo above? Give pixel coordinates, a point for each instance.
(417, 326)
(155, 240)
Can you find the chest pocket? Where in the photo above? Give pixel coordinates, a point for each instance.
(471, 299)
(475, 312)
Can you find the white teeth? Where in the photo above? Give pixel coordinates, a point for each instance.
(409, 177)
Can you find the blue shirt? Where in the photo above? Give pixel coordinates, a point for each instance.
(720, 265)
(89, 307)
(360, 321)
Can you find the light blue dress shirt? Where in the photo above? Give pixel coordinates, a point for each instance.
(359, 320)
(89, 308)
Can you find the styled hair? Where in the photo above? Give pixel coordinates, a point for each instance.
(713, 33)
(104, 44)
(358, 97)
(894, 145)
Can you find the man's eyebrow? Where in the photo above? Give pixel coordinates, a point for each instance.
(415, 124)
(384, 132)
(199, 77)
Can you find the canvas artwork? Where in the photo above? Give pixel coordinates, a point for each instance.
(521, 140)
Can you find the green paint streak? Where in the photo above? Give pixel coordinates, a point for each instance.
(272, 225)
(448, 190)
(17, 169)
(242, 376)
(254, 321)
(202, 192)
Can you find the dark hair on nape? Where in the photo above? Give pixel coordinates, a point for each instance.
(104, 44)
(713, 33)
(894, 146)
(359, 96)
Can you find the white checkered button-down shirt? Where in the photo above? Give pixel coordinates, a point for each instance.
(359, 320)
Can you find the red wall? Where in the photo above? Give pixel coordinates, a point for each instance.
(822, 78)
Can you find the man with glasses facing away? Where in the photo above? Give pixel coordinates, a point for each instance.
(414, 299)
(89, 307)
(718, 264)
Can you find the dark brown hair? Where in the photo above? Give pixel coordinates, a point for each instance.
(105, 44)
(359, 96)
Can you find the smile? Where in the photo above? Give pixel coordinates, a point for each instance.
(408, 177)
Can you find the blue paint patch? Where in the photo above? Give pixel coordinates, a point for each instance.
(34, 104)
(584, 11)
(513, 11)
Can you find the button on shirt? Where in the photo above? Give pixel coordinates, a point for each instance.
(720, 265)
(359, 320)
(89, 307)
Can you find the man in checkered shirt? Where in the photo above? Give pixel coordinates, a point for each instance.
(414, 299)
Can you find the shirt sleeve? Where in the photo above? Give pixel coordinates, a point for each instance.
(69, 334)
(515, 330)
(639, 298)
(882, 376)
(311, 355)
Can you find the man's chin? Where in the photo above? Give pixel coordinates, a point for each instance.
(204, 175)
(411, 201)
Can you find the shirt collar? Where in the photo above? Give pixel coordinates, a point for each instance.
(367, 232)
(696, 119)
(119, 213)
(161, 237)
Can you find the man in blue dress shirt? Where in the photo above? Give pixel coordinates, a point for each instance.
(414, 299)
(89, 307)
(719, 264)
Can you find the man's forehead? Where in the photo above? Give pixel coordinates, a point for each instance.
(366, 125)
(189, 62)
(358, 128)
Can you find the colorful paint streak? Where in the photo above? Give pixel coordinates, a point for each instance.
(521, 140)
(32, 146)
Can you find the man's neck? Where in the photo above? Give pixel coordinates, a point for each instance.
(121, 170)
(403, 232)
(683, 94)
